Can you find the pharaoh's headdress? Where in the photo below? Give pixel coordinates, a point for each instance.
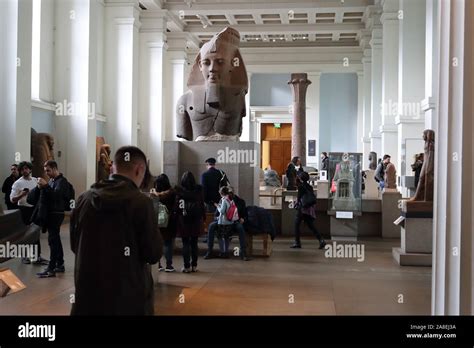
(227, 40)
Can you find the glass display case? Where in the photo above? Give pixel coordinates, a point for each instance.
(345, 175)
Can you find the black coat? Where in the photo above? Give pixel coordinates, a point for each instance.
(115, 237)
(210, 181)
(7, 190)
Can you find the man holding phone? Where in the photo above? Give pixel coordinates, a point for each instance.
(20, 190)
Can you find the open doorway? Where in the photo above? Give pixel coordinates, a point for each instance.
(276, 146)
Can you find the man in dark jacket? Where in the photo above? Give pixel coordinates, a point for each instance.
(7, 186)
(212, 180)
(115, 237)
(55, 195)
(324, 161)
(292, 172)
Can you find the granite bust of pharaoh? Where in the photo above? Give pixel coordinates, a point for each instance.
(213, 107)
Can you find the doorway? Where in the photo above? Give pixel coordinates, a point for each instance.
(276, 146)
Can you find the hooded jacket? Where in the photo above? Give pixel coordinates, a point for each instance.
(115, 237)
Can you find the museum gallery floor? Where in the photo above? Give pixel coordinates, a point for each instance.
(290, 282)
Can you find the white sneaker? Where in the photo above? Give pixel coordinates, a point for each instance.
(186, 270)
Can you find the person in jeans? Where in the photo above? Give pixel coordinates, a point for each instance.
(18, 196)
(56, 192)
(167, 196)
(238, 228)
(190, 214)
(306, 214)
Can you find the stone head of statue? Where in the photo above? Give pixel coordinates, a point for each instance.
(219, 63)
(213, 107)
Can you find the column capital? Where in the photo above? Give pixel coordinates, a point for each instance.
(365, 140)
(428, 104)
(389, 17)
(127, 21)
(374, 134)
(402, 119)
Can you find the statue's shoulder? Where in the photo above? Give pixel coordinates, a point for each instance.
(185, 98)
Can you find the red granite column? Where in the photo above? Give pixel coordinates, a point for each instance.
(299, 84)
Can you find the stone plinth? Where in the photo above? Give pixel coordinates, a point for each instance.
(416, 234)
(239, 160)
(390, 213)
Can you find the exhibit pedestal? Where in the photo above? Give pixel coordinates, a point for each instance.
(323, 188)
(390, 212)
(239, 160)
(371, 187)
(416, 224)
(344, 225)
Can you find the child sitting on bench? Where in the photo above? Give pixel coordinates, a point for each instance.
(227, 216)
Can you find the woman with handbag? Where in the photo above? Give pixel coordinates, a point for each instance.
(306, 210)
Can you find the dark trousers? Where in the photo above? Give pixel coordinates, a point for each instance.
(10, 205)
(169, 252)
(54, 240)
(190, 251)
(238, 229)
(26, 213)
(309, 222)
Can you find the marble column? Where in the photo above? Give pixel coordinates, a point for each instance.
(411, 84)
(312, 119)
(453, 243)
(429, 103)
(153, 122)
(299, 84)
(245, 136)
(75, 83)
(367, 66)
(388, 129)
(121, 72)
(376, 44)
(15, 84)
(360, 110)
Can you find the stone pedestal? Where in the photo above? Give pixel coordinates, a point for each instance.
(239, 160)
(416, 234)
(390, 213)
(371, 189)
(323, 188)
(344, 228)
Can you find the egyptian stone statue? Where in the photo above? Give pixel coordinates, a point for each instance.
(344, 198)
(373, 160)
(42, 145)
(213, 107)
(105, 163)
(391, 176)
(424, 190)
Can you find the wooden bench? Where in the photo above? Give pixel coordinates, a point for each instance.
(267, 243)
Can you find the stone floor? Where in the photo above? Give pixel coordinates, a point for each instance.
(290, 282)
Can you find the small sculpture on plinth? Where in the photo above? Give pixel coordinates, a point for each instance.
(105, 163)
(373, 160)
(344, 198)
(424, 190)
(213, 107)
(390, 176)
(42, 150)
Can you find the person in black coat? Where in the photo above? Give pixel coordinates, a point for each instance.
(212, 180)
(115, 238)
(292, 173)
(306, 214)
(7, 186)
(324, 161)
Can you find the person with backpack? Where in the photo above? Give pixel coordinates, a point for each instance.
(56, 194)
(190, 214)
(166, 196)
(306, 210)
(228, 215)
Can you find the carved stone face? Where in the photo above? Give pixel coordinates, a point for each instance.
(216, 67)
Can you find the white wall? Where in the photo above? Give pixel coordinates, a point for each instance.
(338, 113)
